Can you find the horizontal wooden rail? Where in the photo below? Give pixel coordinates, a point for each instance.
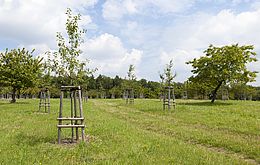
(71, 126)
(70, 118)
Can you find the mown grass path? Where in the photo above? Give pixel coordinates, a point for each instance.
(195, 133)
(217, 128)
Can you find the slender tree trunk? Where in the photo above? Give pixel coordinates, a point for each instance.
(214, 94)
(13, 95)
(19, 93)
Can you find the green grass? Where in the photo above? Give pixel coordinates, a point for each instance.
(196, 132)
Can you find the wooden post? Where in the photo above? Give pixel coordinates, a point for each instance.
(164, 100)
(81, 115)
(169, 98)
(126, 96)
(44, 100)
(173, 99)
(48, 94)
(60, 116)
(75, 111)
(40, 102)
(132, 96)
(45, 108)
(71, 113)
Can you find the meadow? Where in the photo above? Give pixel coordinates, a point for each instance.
(196, 132)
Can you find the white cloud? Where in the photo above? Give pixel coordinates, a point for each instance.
(109, 55)
(37, 21)
(171, 6)
(114, 10)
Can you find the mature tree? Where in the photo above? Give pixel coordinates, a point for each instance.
(223, 65)
(19, 69)
(65, 61)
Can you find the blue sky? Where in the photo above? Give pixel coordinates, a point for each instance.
(146, 33)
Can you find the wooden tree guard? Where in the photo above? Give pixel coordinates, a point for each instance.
(112, 96)
(224, 94)
(161, 94)
(185, 95)
(124, 95)
(76, 119)
(250, 97)
(44, 100)
(103, 94)
(169, 98)
(129, 96)
(85, 98)
(243, 96)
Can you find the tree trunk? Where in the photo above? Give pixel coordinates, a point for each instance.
(214, 94)
(13, 95)
(19, 94)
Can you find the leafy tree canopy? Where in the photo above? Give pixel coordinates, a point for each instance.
(223, 65)
(19, 69)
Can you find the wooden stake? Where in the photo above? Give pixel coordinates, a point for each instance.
(81, 115)
(60, 116)
(75, 112)
(72, 94)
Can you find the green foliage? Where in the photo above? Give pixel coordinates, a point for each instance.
(19, 69)
(167, 76)
(223, 65)
(131, 73)
(65, 61)
(130, 82)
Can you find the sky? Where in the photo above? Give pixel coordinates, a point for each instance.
(145, 33)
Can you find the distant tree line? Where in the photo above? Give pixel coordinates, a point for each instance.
(104, 87)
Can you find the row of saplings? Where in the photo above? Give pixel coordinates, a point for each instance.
(76, 120)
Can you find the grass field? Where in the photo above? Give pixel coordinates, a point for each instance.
(196, 132)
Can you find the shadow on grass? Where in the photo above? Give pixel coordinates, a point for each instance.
(22, 102)
(32, 140)
(183, 104)
(205, 103)
(9, 103)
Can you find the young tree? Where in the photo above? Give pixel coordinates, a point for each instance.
(129, 81)
(162, 77)
(131, 73)
(19, 70)
(168, 75)
(223, 65)
(65, 61)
